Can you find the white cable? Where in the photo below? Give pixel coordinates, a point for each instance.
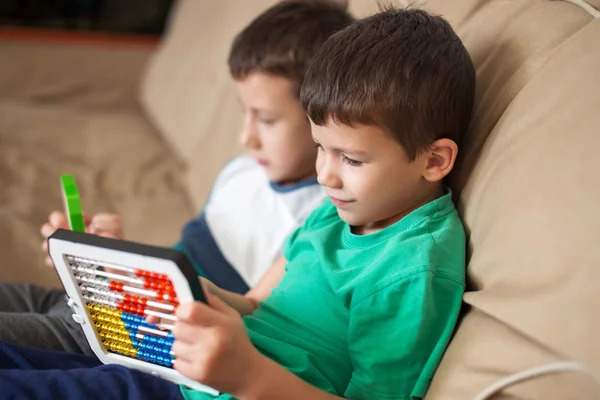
(545, 369)
(586, 7)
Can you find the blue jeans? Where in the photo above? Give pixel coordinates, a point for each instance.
(27, 373)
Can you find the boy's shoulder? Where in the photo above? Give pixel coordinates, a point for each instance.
(427, 248)
(431, 239)
(240, 165)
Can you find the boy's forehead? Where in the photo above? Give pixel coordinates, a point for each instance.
(263, 82)
(358, 137)
(269, 90)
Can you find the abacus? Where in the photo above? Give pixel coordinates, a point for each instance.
(113, 285)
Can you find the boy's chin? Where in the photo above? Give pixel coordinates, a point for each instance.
(348, 217)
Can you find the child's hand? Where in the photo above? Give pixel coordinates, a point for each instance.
(103, 224)
(56, 220)
(106, 224)
(212, 346)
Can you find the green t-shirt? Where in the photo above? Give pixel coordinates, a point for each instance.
(365, 317)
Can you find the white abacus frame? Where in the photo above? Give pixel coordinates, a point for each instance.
(59, 249)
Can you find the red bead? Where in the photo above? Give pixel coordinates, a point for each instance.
(116, 286)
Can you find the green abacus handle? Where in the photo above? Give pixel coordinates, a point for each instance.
(72, 203)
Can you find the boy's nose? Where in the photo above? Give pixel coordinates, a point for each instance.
(327, 177)
(249, 136)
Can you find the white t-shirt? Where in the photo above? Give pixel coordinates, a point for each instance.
(238, 236)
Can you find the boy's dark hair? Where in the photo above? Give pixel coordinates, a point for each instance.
(283, 39)
(405, 71)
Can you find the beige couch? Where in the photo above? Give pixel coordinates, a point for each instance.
(145, 130)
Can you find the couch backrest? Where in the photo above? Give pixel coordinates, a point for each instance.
(529, 191)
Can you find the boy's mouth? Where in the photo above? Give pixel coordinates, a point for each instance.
(262, 163)
(340, 203)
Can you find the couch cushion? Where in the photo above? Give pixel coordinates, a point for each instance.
(528, 194)
(119, 162)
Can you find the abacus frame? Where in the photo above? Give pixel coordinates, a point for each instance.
(174, 264)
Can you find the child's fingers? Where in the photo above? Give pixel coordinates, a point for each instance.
(217, 304)
(86, 219)
(197, 313)
(105, 222)
(184, 352)
(58, 220)
(151, 319)
(186, 333)
(185, 367)
(107, 235)
(47, 259)
(49, 262)
(47, 230)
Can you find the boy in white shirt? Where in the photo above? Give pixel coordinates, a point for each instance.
(256, 200)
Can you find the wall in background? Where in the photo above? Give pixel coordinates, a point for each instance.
(138, 17)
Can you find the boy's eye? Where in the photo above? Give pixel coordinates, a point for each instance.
(352, 162)
(267, 122)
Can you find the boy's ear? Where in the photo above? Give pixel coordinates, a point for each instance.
(440, 159)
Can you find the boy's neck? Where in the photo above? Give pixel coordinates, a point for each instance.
(432, 193)
(292, 182)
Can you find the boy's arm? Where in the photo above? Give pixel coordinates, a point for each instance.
(212, 346)
(246, 304)
(275, 382)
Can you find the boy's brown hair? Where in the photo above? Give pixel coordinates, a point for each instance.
(283, 39)
(405, 71)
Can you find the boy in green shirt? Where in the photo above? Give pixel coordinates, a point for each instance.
(365, 299)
